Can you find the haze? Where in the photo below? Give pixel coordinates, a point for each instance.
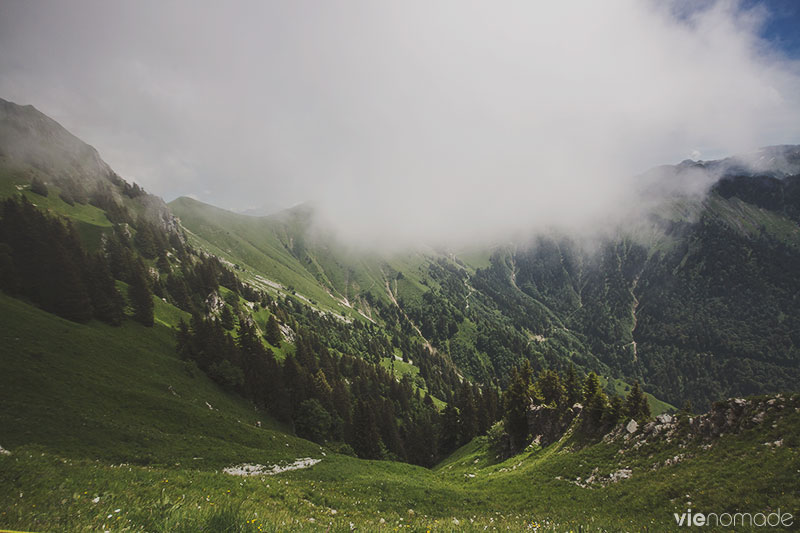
(405, 121)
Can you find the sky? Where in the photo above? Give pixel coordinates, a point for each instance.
(444, 121)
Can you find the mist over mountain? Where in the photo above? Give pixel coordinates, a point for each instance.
(396, 353)
(416, 268)
(403, 123)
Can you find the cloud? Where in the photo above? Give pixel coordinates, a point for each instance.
(405, 121)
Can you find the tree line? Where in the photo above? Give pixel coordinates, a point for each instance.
(600, 411)
(347, 402)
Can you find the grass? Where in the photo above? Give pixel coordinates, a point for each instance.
(96, 412)
(401, 368)
(469, 491)
(657, 406)
(121, 395)
(109, 430)
(254, 243)
(90, 221)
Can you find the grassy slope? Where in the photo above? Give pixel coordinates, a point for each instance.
(252, 242)
(90, 221)
(278, 248)
(80, 399)
(656, 406)
(52, 485)
(103, 392)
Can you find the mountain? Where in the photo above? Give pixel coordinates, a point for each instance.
(697, 301)
(187, 368)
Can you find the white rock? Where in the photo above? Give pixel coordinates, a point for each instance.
(664, 419)
(632, 426)
(262, 470)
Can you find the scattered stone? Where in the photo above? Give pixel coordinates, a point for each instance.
(3, 451)
(623, 473)
(249, 469)
(632, 427)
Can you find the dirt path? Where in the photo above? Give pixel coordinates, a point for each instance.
(634, 308)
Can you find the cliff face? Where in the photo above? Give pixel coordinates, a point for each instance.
(548, 424)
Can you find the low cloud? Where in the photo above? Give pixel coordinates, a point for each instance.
(445, 122)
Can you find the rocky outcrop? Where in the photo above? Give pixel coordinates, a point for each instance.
(727, 417)
(548, 424)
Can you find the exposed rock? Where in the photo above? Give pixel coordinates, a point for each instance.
(602, 481)
(214, 303)
(548, 424)
(632, 427)
(664, 419)
(262, 470)
(287, 332)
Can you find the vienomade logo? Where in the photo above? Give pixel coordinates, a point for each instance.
(769, 519)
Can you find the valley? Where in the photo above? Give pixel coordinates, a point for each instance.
(180, 367)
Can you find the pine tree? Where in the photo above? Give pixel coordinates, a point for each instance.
(616, 410)
(107, 301)
(313, 421)
(450, 430)
(594, 398)
(366, 438)
(636, 405)
(550, 387)
(273, 333)
(140, 296)
(467, 413)
(145, 240)
(39, 187)
(573, 386)
(516, 400)
(226, 317)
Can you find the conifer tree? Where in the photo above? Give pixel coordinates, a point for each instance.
(140, 295)
(516, 400)
(366, 439)
(39, 187)
(551, 388)
(226, 317)
(594, 398)
(107, 302)
(273, 333)
(573, 386)
(636, 405)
